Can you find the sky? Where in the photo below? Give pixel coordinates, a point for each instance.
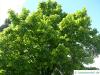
(69, 6)
(15, 5)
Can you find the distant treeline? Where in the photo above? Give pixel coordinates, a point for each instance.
(5, 25)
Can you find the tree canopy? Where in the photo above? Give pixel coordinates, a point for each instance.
(47, 41)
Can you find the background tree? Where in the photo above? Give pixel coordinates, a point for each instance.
(5, 25)
(47, 41)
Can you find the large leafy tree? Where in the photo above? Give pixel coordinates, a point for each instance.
(47, 41)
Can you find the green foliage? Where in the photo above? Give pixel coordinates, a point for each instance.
(47, 42)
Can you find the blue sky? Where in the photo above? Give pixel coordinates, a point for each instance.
(70, 6)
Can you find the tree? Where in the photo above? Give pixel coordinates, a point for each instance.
(47, 41)
(91, 68)
(5, 25)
